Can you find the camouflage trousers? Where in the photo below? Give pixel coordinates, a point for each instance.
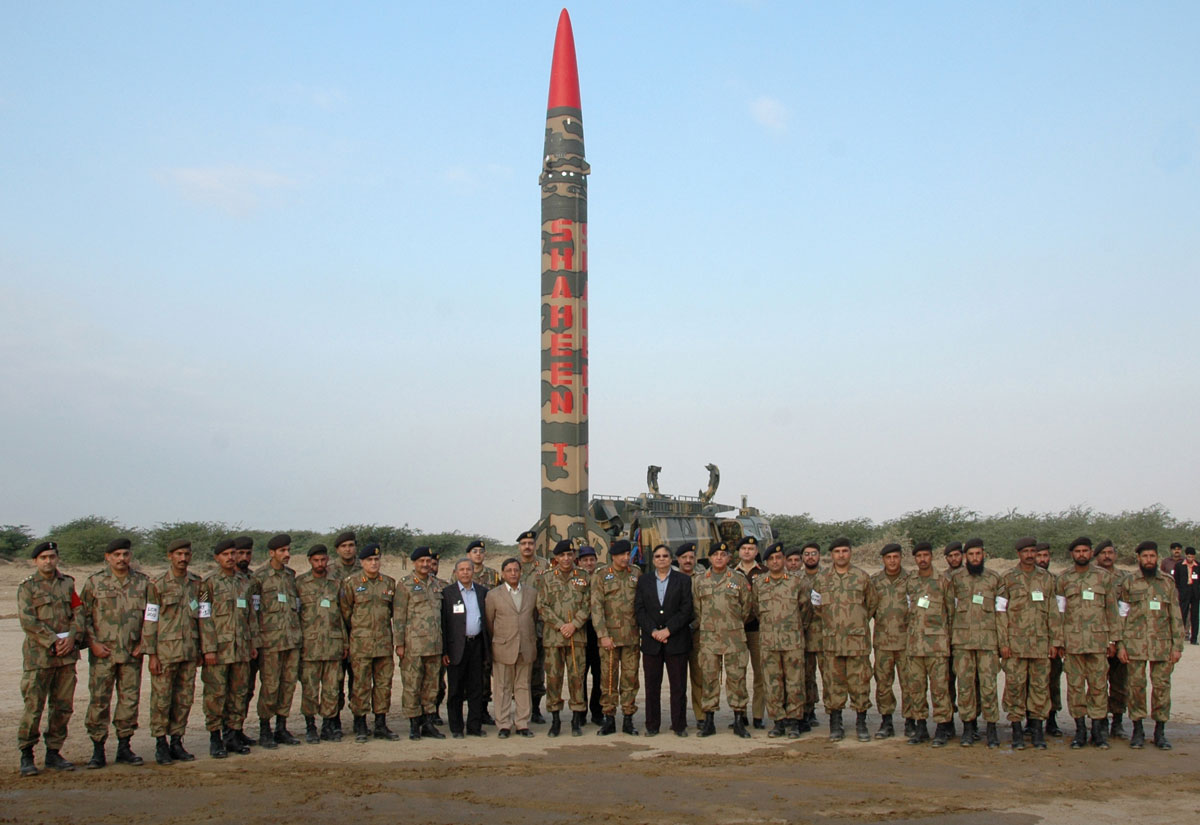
(696, 678)
(847, 676)
(783, 675)
(171, 695)
(565, 661)
(1056, 672)
(319, 683)
(225, 689)
(54, 686)
(372, 691)
(1087, 685)
(976, 672)
(619, 679)
(421, 677)
(1160, 685)
(278, 672)
(734, 666)
(1118, 685)
(811, 659)
(1026, 688)
(103, 676)
(758, 699)
(926, 680)
(889, 667)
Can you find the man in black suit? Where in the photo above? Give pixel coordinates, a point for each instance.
(663, 607)
(1187, 585)
(465, 648)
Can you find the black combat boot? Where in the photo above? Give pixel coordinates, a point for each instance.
(1018, 736)
(739, 725)
(311, 736)
(360, 729)
(555, 723)
(266, 737)
(162, 751)
(125, 754)
(1080, 740)
(234, 743)
(993, 736)
(429, 729)
(793, 728)
(283, 736)
(836, 732)
(969, 733)
(535, 716)
(608, 726)
(1037, 734)
(381, 729)
(327, 729)
(886, 729)
(414, 727)
(98, 760)
(803, 724)
(1052, 728)
(178, 751)
(436, 716)
(1160, 739)
(779, 729)
(1137, 740)
(1117, 730)
(54, 758)
(708, 727)
(335, 729)
(627, 727)
(216, 745)
(917, 730)
(759, 724)
(1099, 735)
(578, 720)
(860, 727)
(942, 734)
(909, 727)
(28, 766)
(241, 738)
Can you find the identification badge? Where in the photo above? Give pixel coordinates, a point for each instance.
(193, 604)
(325, 603)
(1037, 596)
(977, 598)
(460, 608)
(241, 603)
(281, 598)
(1155, 605)
(1089, 596)
(923, 602)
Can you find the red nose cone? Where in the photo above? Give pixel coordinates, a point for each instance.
(564, 74)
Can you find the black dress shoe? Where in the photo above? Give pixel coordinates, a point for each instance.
(503, 734)
(652, 731)
(457, 734)
(526, 732)
(682, 733)
(479, 732)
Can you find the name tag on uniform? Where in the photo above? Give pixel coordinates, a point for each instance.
(923, 602)
(1089, 596)
(1037, 596)
(459, 608)
(281, 597)
(241, 603)
(324, 602)
(193, 604)
(977, 598)
(1155, 605)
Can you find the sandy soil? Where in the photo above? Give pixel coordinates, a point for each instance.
(618, 779)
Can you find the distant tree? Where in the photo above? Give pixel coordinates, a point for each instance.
(203, 535)
(14, 538)
(84, 540)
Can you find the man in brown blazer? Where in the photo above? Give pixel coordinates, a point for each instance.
(508, 613)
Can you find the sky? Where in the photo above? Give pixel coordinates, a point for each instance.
(277, 264)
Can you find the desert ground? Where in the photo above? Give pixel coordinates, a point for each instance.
(617, 779)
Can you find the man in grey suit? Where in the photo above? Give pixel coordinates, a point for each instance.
(508, 613)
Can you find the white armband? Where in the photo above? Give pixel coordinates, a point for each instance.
(815, 599)
(151, 613)
(1062, 603)
(257, 599)
(1123, 609)
(1001, 604)
(205, 610)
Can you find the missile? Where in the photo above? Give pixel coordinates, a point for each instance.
(564, 361)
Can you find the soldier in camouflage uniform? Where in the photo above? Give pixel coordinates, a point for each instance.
(171, 640)
(613, 588)
(366, 603)
(489, 578)
(228, 641)
(564, 604)
(280, 638)
(532, 569)
(930, 602)
(1118, 671)
(953, 553)
(324, 646)
(814, 636)
(52, 621)
(243, 554)
(114, 604)
(1152, 634)
(721, 600)
(1041, 558)
(748, 565)
(845, 599)
(974, 644)
(1087, 600)
(685, 560)
(890, 637)
(1028, 632)
(345, 545)
(782, 603)
(417, 631)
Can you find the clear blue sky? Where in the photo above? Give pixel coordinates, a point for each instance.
(277, 264)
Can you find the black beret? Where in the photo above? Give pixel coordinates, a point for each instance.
(772, 549)
(345, 536)
(891, 547)
(369, 549)
(1175, 544)
(793, 551)
(420, 553)
(840, 541)
(811, 545)
(922, 545)
(586, 550)
(619, 547)
(477, 543)
(1103, 545)
(243, 543)
(278, 541)
(179, 544)
(718, 546)
(973, 543)
(747, 540)
(1084, 540)
(222, 546)
(952, 547)
(686, 547)
(1042, 545)
(1148, 545)
(44, 547)
(563, 546)
(1025, 541)
(119, 544)
(318, 550)
(528, 534)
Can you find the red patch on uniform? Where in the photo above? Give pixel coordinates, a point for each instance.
(75, 600)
